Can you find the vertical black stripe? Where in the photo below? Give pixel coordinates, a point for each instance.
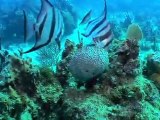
(49, 3)
(107, 35)
(52, 26)
(42, 25)
(103, 28)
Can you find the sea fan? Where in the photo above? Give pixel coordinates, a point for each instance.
(134, 32)
(48, 55)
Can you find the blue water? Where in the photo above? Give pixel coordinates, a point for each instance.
(11, 20)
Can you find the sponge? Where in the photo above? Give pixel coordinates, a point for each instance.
(88, 62)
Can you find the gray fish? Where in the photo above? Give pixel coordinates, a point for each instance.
(39, 43)
(86, 18)
(49, 26)
(45, 6)
(38, 34)
(31, 28)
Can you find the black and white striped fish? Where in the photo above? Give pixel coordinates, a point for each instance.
(49, 26)
(99, 30)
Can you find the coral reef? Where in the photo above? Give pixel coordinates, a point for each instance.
(152, 68)
(121, 88)
(3, 59)
(29, 91)
(120, 92)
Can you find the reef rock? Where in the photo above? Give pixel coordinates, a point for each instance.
(124, 63)
(152, 68)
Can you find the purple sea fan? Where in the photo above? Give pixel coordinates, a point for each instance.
(88, 62)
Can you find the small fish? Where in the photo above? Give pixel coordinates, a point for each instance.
(86, 18)
(99, 30)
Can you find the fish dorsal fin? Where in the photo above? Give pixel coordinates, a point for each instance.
(86, 18)
(45, 6)
(94, 24)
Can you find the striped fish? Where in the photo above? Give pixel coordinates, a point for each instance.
(49, 26)
(31, 28)
(99, 29)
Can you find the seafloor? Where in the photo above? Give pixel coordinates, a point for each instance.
(87, 82)
(128, 89)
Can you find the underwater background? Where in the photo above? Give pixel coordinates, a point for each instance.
(79, 60)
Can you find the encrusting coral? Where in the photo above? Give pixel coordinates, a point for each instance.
(121, 88)
(118, 91)
(29, 90)
(152, 68)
